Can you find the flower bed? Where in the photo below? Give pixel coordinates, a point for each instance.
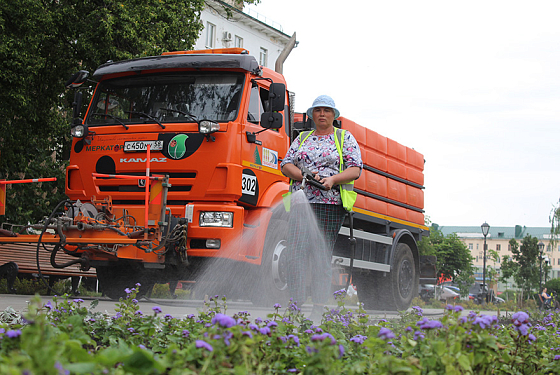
(65, 337)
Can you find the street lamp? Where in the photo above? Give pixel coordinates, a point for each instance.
(541, 249)
(485, 228)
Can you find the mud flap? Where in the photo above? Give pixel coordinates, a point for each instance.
(428, 269)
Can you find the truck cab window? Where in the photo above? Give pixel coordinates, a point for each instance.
(258, 104)
(171, 98)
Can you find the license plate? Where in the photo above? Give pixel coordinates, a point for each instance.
(136, 146)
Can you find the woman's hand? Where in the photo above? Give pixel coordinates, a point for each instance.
(327, 182)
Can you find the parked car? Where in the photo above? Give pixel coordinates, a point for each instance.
(437, 291)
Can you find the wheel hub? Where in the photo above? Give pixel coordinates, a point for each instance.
(279, 265)
(405, 278)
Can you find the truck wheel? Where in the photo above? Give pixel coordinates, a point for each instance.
(272, 286)
(401, 285)
(367, 285)
(113, 280)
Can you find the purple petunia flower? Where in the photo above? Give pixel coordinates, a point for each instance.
(156, 309)
(61, 370)
(127, 291)
(323, 337)
(204, 344)
(459, 308)
(247, 333)
(264, 331)
(78, 300)
(48, 305)
(386, 334)
(523, 329)
(138, 313)
(418, 335)
(186, 333)
(520, 318)
(13, 333)
(429, 324)
(557, 357)
(418, 310)
(340, 350)
(223, 320)
(277, 306)
(531, 337)
(359, 339)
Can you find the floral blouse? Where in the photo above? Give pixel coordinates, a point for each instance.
(319, 154)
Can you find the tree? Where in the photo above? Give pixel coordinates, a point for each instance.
(42, 42)
(554, 220)
(454, 260)
(523, 266)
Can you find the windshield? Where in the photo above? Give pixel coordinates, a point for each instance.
(167, 98)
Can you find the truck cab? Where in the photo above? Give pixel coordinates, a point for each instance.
(216, 124)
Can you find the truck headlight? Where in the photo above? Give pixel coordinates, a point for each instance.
(216, 219)
(79, 131)
(207, 127)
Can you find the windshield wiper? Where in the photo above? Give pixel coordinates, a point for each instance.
(148, 116)
(118, 119)
(180, 112)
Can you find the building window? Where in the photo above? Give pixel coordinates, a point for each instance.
(210, 34)
(470, 246)
(548, 248)
(263, 58)
(509, 247)
(238, 42)
(477, 261)
(498, 247)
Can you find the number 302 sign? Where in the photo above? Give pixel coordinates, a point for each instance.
(249, 184)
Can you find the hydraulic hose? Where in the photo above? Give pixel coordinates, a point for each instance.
(39, 244)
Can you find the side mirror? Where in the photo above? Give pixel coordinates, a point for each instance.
(76, 105)
(277, 96)
(77, 79)
(271, 120)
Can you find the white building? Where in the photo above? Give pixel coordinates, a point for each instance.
(262, 37)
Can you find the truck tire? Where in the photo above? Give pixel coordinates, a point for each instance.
(113, 280)
(271, 283)
(400, 286)
(367, 285)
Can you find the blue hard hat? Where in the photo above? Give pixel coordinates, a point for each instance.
(323, 101)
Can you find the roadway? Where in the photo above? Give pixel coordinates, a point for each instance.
(181, 308)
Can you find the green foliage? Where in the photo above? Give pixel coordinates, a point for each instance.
(66, 337)
(523, 266)
(553, 286)
(454, 260)
(41, 44)
(554, 220)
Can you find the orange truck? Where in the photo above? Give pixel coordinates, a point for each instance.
(174, 169)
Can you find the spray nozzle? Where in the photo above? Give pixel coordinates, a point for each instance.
(309, 177)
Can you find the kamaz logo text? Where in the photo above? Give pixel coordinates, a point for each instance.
(143, 160)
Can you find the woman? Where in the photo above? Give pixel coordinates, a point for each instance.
(318, 152)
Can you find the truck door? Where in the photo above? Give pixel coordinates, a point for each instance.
(261, 155)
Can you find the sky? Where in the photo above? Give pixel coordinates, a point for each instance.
(473, 86)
